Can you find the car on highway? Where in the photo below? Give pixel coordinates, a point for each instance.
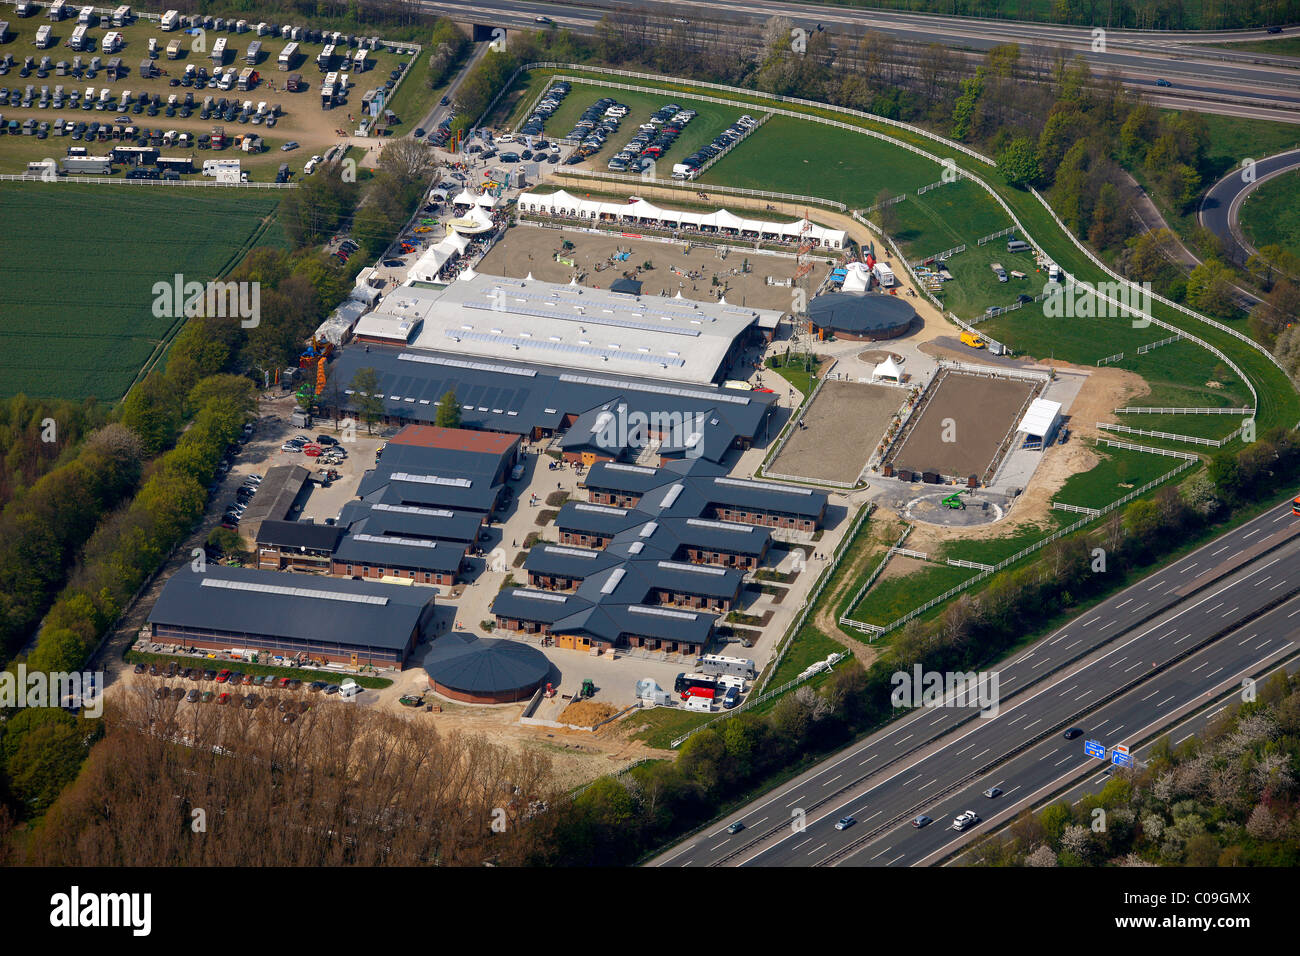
(1274, 29)
(541, 19)
(922, 821)
(843, 823)
(1163, 82)
(736, 827)
(992, 792)
(966, 819)
(1072, 733)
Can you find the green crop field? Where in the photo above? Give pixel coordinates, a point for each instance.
(788, 155)
(78, 305)
(711, 120)
(1271, 214)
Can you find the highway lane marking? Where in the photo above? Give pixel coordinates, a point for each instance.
(1293, 613)
(758, 821)
(1262, 580)
(1181, 739)
(904, 740)
(1280, 517)
(1027, 726)
(1059, 762)
(1102, 724)
(1128, 601)
(1121, 660)
(1068, 689)
(1050, 753)
(1213, 672)
(822, 847)
(1258, 646)
(1278, 585)
(1008, 793)
(834, 778)
(1067, 647)
(964, 749)
(1173, 590)
(800, 843)
(1061, 637)
(876, 814)
(980, 754)
(1189, 567)
(1233, 557)
(936, 720)
(930, 784)
(1141, 606)
(1256, 531)
(1226, 613)
(896, 859)
(1131, 666)
(1224, 548)
(1183, 638)
(1104, 626)
(1216, 607)
(867, 761)
(1249, 637)
(1156, 585)
(883, 852)
(1148, 697)
(1199, 666)
(1093, 621)
(1166, 700)
(1117, 729)
(1082, 696)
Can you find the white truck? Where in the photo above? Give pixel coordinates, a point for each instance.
(965, 820)
(884, 275)
(170, 20)
(212, 166)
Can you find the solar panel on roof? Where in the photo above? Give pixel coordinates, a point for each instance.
(586, 319)
(662, 612)
(656, 389)
(293, 592)
(693, 568)
(415, 510)
(460, 363)
(637, 469)
(762, 486)
(565, 347)
(431, 480)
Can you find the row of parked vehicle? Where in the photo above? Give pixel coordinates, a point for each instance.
(548, 105)
(733, 134)
(243, 496)
(653, 139)
(599, 121)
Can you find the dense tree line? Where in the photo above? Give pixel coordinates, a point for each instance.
(190, 786)
(1224, 797)
(38, 434)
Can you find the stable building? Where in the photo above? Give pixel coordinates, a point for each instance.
(485, 670)
(296, 546)
(247, 610)
(868, 317)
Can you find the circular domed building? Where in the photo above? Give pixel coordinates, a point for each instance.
(485, 670)
(866, 317)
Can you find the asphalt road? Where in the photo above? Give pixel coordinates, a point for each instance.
(1222, 204)
(886, 775)
(1266, 84)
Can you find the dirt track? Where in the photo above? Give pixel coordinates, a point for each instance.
(958, 433)
(845, 424)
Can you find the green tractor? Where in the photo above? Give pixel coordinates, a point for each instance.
(954, 501)
(588, 689)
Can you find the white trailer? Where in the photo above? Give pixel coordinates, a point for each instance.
(58, 10)
(211, 166)
(733, 666)
(112, 42)
(171, 20)
(87, 17)
(44, 36)
(78, 39)
(219, 51)
(174, 49)
(884, 275)
(325, 59)
(253, 52)
(359, 61)
(288, 56)
(122, 16)
(702, 704)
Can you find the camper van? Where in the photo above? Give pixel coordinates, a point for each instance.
(78, 39)
(349, 689)
(325, 59)
(248, 78)
(122, 16)
(359, 61)
(884, 275)
(253, 53)
(210, 166)
(219, 51)
(171, 20)
(44, 37)
(112, 42)
(87, 17)
(1017, 245)
(288, 56)
(58, 10)
(173, 49)
(327, 90)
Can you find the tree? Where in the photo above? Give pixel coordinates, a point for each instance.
(41, 750)
(1019, 162)
(1209, 289)
(407, 160)
(365, 396)
(448, 410)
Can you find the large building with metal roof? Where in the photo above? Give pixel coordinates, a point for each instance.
(571, 326)
(537, 401)
(245, 610)
(485, 670)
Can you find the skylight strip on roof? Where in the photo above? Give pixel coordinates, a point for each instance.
(461, 363)
(565, 347)
(394, 539)
(623, 384)
(600, 509)
(570, 552)
(415, 510)
(636, 469)
(613, 580)
(720, 525)
(293, 592)
(692, 568)
(539, 596)
(761, 486)
(431, 479)
(662, 612)
(585, 319)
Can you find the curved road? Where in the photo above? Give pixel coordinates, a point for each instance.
(1221, 205)
(932, 757)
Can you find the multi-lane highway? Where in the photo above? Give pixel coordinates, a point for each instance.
(915, 763)
(1213, 80)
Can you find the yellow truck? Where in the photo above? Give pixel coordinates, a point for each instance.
(973, 340)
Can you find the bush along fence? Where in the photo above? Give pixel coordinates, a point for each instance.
(1188, 461)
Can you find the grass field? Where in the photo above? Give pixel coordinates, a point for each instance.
(1283, 46)
(791, 156)
(1271, 214)
(78, 302)
(809, 645)
(975, 287)
(891, 598)
(944, 218)
(1118, 473)
(711, 120)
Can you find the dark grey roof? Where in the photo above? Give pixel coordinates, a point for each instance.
(596, 519)
(412, 521)
(529, 604)
(471, 464)
(860, 314)
(276, 494)
(566, 561)
(746, 494)
(516, 397)
(299, 534)
(395, 551)
(485, 665)
(321, 609)
(431, 486)
(626, 286)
